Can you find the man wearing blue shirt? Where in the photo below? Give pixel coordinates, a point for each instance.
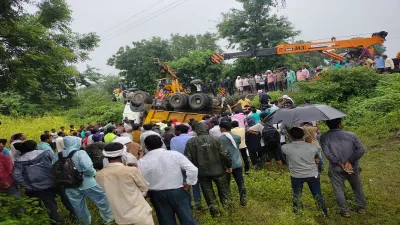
(46, 140)
(379, 63)
(178, 143)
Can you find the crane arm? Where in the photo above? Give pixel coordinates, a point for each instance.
(324, 47)
(165, 68)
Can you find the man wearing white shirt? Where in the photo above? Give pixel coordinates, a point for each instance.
(305, 70)
(60, 142)
(168, 194)
(215, 131)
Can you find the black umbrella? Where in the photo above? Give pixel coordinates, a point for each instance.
(303, 114)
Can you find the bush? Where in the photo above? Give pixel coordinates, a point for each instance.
(25, 211)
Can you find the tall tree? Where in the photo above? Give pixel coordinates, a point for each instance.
(37, 53)
(137, 63)
(255, 26)
(188, 55)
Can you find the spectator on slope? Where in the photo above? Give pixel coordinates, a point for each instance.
(60, 142)
(89, 187)
(240, 117)
(302, 157)
(123, 186)
(263, 98)
(232, 143)
(368, 62)
(306, 72)
(178, 143)
(246, 85)
(239, 85)
(389, 64)
(148, 130)
(215, 131)
(45, 144)
(32, 170)
(95, 151)
(343, 150)
(213, 161)
(167, 136)
(252, 83)
(379, 63)
(291, 79)
(110, 136)
(241, 132)
(3, 148)
(19, 137)
(7, 184)
(168, 194)
(136, 133)
(310, 135)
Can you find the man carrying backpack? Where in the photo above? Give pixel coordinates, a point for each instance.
(73, 169)
(270, 142)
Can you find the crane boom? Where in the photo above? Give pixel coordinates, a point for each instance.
(323, 47)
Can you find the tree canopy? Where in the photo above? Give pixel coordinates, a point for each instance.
(38, 50)
(188, 55)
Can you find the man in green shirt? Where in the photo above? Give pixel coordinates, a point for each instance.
(110, 136)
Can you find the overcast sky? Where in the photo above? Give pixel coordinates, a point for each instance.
(317, 19)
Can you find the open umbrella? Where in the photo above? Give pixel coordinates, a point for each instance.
(303, 114)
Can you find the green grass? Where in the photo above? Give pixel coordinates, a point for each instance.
(269, 193)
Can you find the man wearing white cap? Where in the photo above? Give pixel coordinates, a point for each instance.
(288, 100)
(127, 157)
(124, 186)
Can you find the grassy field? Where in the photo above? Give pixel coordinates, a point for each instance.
(269, 192)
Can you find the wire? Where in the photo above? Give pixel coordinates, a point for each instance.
(133, 16)
(145, 19)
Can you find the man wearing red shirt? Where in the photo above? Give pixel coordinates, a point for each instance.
(6, 182)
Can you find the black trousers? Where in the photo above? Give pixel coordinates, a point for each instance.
(65, 200)
(48, 198)
(168, 203)
(238, 176)
(243, 151)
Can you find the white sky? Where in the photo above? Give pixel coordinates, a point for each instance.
(316, 19)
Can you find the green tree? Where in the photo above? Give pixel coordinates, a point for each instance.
(197, 65)
(37, 53)
(189, 56)
(137, 63)
(255, 25)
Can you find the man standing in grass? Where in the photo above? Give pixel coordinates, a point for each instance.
(302, 157)
(344, 150)
(213, 161)
(123, 186)
(232, 142)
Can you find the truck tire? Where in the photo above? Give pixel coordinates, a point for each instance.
(198, 101)
(140, 97)
(178, 101)
(137, 108)
(229, 100)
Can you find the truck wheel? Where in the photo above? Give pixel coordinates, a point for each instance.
(178, 101)
(137, 108)
(139, 97)
(198, 101)
(229, 100)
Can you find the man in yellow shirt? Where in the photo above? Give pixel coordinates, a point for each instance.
(243, 102)
(110, 136)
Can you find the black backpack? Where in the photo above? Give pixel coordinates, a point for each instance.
(271, 135)
(65, 173)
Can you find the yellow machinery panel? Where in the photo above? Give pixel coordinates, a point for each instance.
(155, 116)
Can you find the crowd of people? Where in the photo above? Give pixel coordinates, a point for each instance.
(118, 166)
